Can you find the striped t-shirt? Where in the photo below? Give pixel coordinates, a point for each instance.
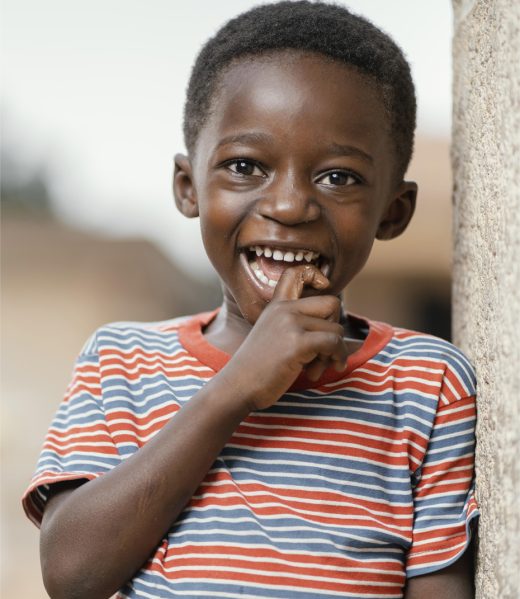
(342, 488)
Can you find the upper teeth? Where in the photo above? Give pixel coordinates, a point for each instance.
(285, 256)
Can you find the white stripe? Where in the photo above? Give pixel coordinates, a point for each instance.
(389, 367)
(318, 565)
(314, 465)
(298, 477)
(430, 540)
(130, 371)
(85, 462)
(335, 432)
(309, 525)
(321, 418)
(363, 411)
(77, 435)
(70, 417)
(276, 549)
(447, 471)
(451, 448)
(241, 493)
(387, 381)
(145, 354)
(444, 350)
(450, 459)
(306, 577)
(241, 595)
(455, 407)
(135, 417)
(435, 552)
(439, 483)
(464, 432)
(292, 512)
(430, 517)
(324, 443)
(434, 506)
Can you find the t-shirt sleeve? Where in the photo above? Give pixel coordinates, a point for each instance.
(444, 502)
(78, 444)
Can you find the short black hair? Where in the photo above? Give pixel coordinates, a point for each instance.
(319, 27)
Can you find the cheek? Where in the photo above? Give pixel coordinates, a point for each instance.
(219, 221)
(214, 217)
(357, 238)
(223, 212)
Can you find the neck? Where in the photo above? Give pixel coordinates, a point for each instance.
(229, 329)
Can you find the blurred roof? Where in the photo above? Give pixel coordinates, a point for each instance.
(115, 279)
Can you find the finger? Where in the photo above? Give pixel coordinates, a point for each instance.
(316, 368)
(339, 365)
(336, 315)
(294, 279)
(313, 323)
(323, 345)
(325, 307)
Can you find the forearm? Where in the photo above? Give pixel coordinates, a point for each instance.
(94, 540)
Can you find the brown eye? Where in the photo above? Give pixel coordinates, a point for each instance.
(338, 178)
(245, 168)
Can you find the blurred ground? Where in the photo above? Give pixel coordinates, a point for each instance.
(59, 284)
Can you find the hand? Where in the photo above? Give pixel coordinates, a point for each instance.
(292, 333)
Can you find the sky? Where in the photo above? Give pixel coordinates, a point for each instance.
(93, 92)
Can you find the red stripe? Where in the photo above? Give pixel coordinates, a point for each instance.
(359, 452)
(260, 577)
(301, 494)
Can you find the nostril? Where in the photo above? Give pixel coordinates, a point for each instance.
(290, 209)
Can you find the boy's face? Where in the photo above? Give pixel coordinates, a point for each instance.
(295, 158)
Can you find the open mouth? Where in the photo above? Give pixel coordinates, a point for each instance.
(267, 264)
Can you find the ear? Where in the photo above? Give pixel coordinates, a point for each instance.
(184, 188)
(399, 212)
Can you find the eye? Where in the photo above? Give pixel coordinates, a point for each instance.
(246, 168)
(338, 178)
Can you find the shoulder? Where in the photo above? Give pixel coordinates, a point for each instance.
(436, 358)
(160, 335)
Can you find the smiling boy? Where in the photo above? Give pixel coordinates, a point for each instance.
(276, 447)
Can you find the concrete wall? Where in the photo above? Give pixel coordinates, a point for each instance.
(486, 161)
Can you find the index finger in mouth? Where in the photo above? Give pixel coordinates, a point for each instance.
(292, 282)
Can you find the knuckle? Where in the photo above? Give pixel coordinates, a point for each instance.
(335, 301)
(335, 339)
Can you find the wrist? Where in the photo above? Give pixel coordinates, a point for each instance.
(230, 395)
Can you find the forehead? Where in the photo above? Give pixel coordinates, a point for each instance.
(293, 94)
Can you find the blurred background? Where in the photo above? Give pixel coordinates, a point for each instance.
(91, 107)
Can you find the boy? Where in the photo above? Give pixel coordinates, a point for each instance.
(275, 447)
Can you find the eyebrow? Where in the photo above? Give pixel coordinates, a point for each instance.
(246, 138)
(263, 138)
(346, 150)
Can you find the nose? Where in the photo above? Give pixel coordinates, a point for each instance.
(290, 200)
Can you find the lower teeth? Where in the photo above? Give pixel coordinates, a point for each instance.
(261, 276)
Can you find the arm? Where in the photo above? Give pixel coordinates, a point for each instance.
(110, 525)
(454, 581)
